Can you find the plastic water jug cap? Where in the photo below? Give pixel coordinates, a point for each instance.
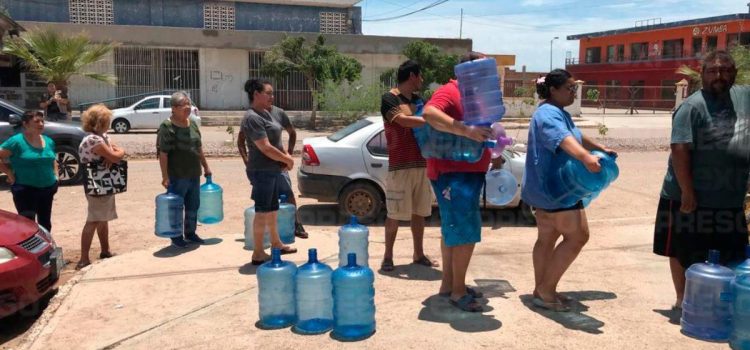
(276, 256)
(713, 256)
(282, 198)
(312, 255)
(351, 260)
(489, 144)
(353, 220)
(208, 179)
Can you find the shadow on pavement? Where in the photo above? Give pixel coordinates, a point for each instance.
(212, 241)
(413, 272)
(328, 215)
(437, 309)
(574, 319)
(248, 269)
(18, 323)
(494, 288)
(673, 315)
(171, 251)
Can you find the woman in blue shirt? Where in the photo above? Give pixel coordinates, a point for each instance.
(33, 177)
(554, 139)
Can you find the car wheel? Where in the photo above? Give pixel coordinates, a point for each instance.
(528, 213)
(362, 200)
(120, 126)
(69, 169)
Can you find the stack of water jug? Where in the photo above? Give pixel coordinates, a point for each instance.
(285, 220)
(169, 209)
(315, 299)
(716, 306)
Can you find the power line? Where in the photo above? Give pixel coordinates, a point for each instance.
(436, 3)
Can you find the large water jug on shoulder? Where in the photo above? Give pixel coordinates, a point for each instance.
(249, 231)
(707, 306)
(481, 97)
(285, 219)
(314, 296)
(169, 215)
(276, 292)
(353, 301)
(211, 210)
(353, 238)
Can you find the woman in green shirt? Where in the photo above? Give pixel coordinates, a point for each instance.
(33, 170)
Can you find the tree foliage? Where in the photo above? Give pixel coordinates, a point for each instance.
(317, 63)
(437, 67)
(741, 55)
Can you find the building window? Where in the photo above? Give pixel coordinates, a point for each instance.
(639, 52)
(218, 15)
(615, 53)
(668, 88)
(697, 47)
(91, 11)
(290, 92)
(593, 55)
(738, 39)
(636, 89)
(333, 23)
(712, 42)
(612, 91)
(672, 48)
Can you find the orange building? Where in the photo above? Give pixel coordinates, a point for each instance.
(649, 55)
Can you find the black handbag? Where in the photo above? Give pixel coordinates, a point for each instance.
(102, 180)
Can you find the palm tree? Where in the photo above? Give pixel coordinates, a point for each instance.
(741, 55)
(56, 58)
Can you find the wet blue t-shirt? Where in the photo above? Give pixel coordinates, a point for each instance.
(549, 126)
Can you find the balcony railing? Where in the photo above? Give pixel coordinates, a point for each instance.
(576, 61)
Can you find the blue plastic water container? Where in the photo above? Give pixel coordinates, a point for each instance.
(707, 306)
(743, 267)
(314, 296)
(740, 337)
(443, 145)
(353, 301)
(501, 186)
(573, 182)
(285, 220)
(276, 292)
(353, 238)
(211, 210)
(249, 240)
(481, 97)
(170, 209)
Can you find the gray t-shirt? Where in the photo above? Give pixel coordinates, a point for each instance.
(257, 126)
(717, 130)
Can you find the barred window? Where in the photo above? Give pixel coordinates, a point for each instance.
(333, 23)
(91, 11)
(218, 15)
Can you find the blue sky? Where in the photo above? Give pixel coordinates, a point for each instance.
(525, 27)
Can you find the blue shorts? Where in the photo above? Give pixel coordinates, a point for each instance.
(458, 199)
(267, 186)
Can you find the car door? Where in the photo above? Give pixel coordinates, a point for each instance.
(6, 130)
(375, 153)
(146, 114)
(165, 111)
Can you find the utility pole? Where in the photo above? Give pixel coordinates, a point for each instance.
(461, 25)
(550, 52)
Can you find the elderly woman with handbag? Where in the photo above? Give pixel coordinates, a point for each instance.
(102, 159)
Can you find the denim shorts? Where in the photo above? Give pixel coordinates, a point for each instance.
(458, 199)
(267, 187)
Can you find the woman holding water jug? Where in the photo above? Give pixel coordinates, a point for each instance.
(554, 139)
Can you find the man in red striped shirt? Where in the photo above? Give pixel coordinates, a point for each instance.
(408, 194)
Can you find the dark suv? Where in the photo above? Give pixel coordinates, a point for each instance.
(67, 137)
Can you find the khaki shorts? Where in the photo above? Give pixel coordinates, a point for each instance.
(101, 208)
(408, 192)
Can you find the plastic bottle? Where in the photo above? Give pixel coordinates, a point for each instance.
(285, 220)
(501, 187)
(573, 182)
(353, 301)
(353, 238)
(743, 267)
(169, 215)
(314, 296)
(249, 240)
(276, 292)
(501, 140)
(707, 306)
(481, 97)
(211, 210)
(443, 145)
(740, 337)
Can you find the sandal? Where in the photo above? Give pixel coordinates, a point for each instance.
(288, 250)
(555, 307)
(106, 255)
(466, 303)
(426, 261)
(565, 299)
(387, 265)
(260, 262)
(82, 264)
(470, 291)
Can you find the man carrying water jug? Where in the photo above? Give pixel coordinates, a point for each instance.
(407, 191)
(701, 205)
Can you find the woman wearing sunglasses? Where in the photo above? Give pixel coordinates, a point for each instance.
(554, 139)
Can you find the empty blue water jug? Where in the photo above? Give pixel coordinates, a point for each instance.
(276, 292)
(707, 306)
(743, 267)
(169, 215)
(353, 301)
(501, 186)
(443, 145)
(481, 97)
(353, 238)
(420, 107)
(740, 337)
(249, 240)
(285, 220)
(574, 183)
(211, 210)
(314, 296)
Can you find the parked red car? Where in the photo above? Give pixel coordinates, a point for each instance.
(30, 262)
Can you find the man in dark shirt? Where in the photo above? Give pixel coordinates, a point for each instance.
(54, 103)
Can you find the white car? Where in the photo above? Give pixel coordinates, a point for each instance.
(147, 113)
(350, 167)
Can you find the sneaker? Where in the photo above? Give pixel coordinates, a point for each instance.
(194, 239)
(179, 242)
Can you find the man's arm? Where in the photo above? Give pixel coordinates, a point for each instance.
(681, 163)
(163, 159)
(204, 163)
(443, 122)
(408, 121)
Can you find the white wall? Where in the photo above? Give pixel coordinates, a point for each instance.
(82, 89)
(223, 74)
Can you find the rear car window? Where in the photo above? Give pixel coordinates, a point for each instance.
(359, 124)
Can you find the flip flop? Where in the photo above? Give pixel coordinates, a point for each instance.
(106, 255)
(425, 261)
(81, 265)
(564, 298)
(470, 291)
(466, 303)
(555, 307)
(387, 265)
(288, 250)
(259, 262)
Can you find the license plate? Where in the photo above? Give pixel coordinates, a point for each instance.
(57, 263)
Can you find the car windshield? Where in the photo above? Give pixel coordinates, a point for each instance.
(359, 124)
